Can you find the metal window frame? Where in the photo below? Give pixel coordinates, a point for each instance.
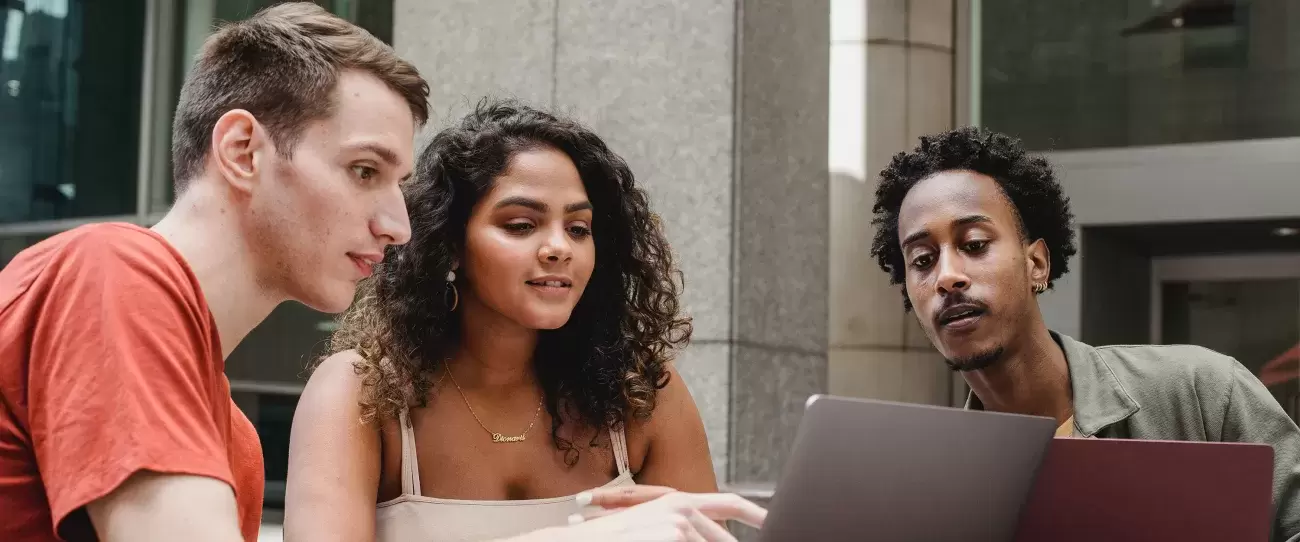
(157, 90)
(262, 387)
(144, 150)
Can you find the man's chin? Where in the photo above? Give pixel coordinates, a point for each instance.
(975, 361)
(332, 302)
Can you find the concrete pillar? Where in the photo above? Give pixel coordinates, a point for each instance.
(891, 82)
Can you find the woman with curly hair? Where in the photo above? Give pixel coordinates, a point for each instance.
(513, 354)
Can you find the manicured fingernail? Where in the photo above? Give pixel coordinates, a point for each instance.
(575, 519)
(583, 498)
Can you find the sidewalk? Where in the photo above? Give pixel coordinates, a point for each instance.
(271, 532)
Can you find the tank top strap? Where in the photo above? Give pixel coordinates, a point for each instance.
(618, 440)
(410, 465)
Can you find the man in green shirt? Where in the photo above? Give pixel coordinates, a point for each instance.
(975, 228)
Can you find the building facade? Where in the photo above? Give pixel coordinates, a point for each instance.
(758, 128)
(1173, 128)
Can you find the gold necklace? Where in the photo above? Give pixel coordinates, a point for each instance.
(496, 437)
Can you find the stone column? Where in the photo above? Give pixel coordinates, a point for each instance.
(891, 82)
(720, 108)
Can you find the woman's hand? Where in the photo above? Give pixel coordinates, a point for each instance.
(653, 514)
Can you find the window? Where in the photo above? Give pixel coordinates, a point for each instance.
(1071, 74)
(69, 107)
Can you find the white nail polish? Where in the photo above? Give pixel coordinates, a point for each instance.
(583, 498)
(575, 519)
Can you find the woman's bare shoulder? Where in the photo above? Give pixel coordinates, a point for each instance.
(336, 377)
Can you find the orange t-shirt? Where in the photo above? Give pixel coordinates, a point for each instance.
(110, 364)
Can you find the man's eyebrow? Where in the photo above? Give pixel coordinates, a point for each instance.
(963, 221)
(386, 154)
(972, 219)
(917, 236)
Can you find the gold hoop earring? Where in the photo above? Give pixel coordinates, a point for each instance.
(455, 294)
(1040, 287)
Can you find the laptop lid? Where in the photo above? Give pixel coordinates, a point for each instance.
(1122, 490)
(877, 470)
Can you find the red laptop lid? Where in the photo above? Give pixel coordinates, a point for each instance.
(1131, 490)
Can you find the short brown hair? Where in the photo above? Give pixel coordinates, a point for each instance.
(281, 65)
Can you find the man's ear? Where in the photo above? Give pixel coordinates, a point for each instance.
(1038, 261)
(239, 146)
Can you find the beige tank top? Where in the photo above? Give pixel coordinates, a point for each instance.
(412, 517)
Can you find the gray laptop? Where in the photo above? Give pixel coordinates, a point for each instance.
(874, 470)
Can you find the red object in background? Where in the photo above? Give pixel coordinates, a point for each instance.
(1281, 369)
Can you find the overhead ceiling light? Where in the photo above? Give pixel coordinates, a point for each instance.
(1286, 231)
(1189, 14)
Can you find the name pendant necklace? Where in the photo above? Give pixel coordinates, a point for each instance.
(496, 437)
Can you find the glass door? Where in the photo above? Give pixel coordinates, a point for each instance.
(1247, 307)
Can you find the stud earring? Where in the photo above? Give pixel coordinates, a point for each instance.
(455, 295)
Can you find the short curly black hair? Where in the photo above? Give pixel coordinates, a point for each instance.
(1027, 180)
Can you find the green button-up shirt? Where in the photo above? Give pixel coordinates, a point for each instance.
(1187, 393)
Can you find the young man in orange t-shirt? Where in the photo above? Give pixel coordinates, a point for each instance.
(293, 132)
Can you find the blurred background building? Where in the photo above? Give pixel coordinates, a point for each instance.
(758, 126)
(1173, 127)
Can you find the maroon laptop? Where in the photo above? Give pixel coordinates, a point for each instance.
(1141, 490)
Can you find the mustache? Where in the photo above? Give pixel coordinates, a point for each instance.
(958, 298)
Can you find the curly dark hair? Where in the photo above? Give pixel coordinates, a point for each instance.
(1027, 181)
(606, 364)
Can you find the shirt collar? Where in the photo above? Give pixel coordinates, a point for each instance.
(1100, 399)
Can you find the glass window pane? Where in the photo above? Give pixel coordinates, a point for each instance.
(10, 246)
(1071, 74)
(69, 107)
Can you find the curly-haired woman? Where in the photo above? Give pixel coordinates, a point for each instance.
(514, 354)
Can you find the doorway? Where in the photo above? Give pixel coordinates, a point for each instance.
(1245, 306)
